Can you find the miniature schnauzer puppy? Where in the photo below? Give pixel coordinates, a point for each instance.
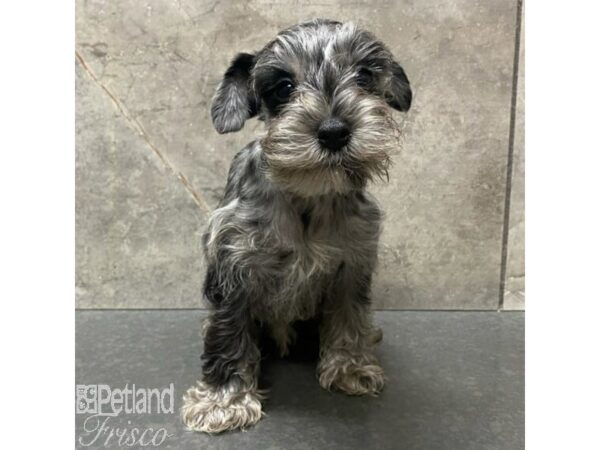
(295, 235)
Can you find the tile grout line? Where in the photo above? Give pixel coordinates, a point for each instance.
(511, 145)
(137, 126)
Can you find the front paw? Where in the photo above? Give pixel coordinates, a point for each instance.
(351, 374)
(214, 410)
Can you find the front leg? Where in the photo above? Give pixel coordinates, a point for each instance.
(347, 362)
(227, 396)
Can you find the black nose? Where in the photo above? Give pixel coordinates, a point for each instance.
(333, 133)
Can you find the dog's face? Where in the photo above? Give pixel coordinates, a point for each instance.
(324, 89)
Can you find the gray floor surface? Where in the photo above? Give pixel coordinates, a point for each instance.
(455, 381)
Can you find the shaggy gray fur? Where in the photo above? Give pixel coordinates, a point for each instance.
(295, 235)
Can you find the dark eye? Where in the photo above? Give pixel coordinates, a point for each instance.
(283, 90)
(364, 77)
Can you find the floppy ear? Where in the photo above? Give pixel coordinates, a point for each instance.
(234, 101)
(399, 94)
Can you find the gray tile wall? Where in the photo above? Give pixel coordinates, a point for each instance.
(150, 167)
(514, 288)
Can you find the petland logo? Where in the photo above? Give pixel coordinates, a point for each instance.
(105, 403)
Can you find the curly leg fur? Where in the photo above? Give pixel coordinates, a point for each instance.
(227, 397)
(213, 410)
(347, 362)
(350, 372)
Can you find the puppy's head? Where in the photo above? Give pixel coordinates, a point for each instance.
(325, 90)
